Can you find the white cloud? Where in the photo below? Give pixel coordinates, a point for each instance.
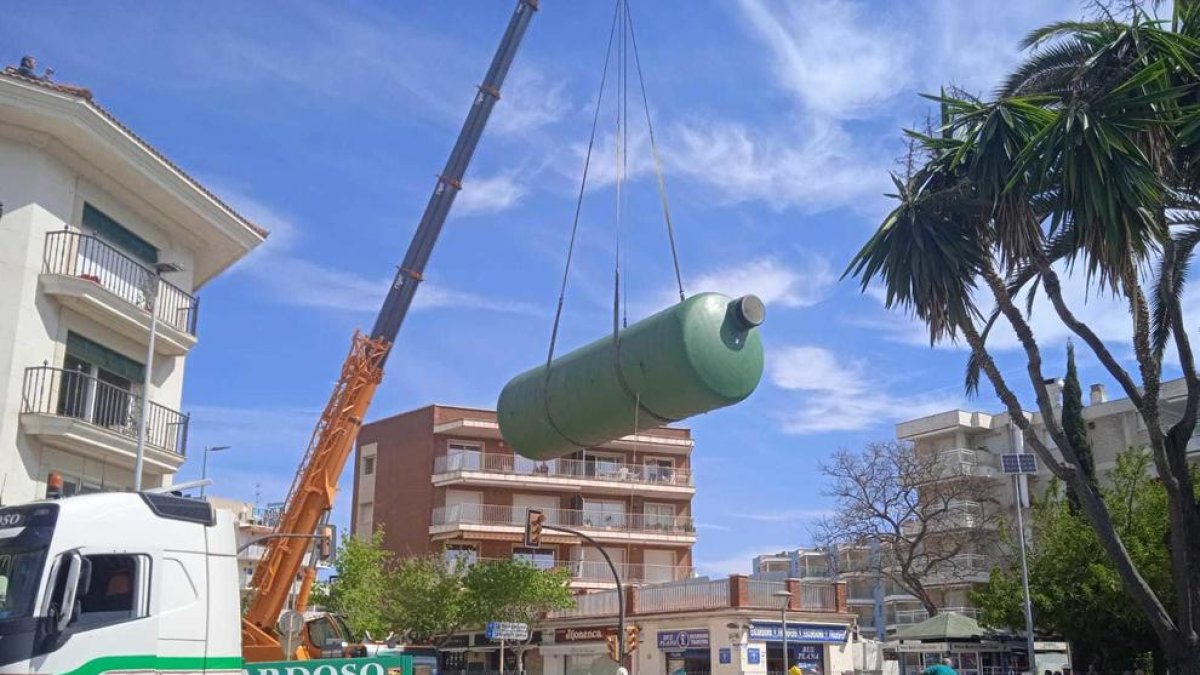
(531, 101)
(740, 562)
(818, 168)
(782, 515)
(777, 284)
(489, 195)
(771, 280)
(836, 57)
(295, 280)
(838, 395)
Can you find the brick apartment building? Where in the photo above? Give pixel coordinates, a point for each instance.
(441, 479)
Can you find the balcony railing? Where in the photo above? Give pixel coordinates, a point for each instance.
(514, 516)
(911, 616)
(88, 257)
(563, 468)
(592, 571)
(704, 594)
(959, 515)
(78, 395)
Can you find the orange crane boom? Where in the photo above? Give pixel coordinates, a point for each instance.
(315, 485)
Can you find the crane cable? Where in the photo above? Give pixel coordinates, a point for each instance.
(622, 16)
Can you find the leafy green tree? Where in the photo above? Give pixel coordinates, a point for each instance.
(360, 586)
(516, 591)
(1075, 588)
(427, 600)
(1086, 162)
(1074, 426)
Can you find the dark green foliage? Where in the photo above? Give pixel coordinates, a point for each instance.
(1074, 426)
(1075, 588)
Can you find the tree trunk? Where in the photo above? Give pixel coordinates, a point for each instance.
(1183, 659)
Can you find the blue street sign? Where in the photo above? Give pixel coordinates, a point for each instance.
(725, 655)
(500, 630)
(753, 656)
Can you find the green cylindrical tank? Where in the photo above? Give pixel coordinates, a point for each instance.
(699, 355)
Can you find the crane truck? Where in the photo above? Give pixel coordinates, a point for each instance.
(148, 582)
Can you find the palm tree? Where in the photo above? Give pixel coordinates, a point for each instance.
(1086, 161)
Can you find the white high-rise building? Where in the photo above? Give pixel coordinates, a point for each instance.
(91, 216)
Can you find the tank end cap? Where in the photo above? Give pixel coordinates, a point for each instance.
(750, 310)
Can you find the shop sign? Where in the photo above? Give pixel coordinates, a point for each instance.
(584, 634)
(753, 656)
(683, 639)
(457, 642)
(725, 655)
(798, 632)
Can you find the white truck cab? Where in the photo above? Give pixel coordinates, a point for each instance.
(118, 582)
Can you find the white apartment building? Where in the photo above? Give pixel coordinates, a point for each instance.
(254, 523)
(972, 441)
(91, 216)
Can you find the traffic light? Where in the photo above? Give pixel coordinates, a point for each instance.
(533, 527)
(631, 639)
(613, 647)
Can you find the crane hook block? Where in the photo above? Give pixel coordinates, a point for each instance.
(697, 356)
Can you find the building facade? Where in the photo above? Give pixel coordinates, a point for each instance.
(971, 443)
(254, 523)
(91, 219)
(441, 479)
(722, 626)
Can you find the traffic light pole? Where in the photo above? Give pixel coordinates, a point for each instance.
(616, 577)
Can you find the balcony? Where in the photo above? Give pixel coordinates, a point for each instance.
(965, 462)
(612, 526)
(907, 617)
(99, 281)
(597, 573)
(87, 416)
(704, 594)
(568, 473)
(959, 515)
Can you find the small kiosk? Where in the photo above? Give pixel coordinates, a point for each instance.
(975, 651)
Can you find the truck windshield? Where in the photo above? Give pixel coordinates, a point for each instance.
(20, 572)
(25, 534)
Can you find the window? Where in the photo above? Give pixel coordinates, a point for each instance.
(541, 558)
(323, 634)
(463, 456)
(455, 555)
(116, 590)
(98, 223)
(660, 470)
(603, 514)
(605, 466)
(660, 516)
(98, 384)
(368, 465)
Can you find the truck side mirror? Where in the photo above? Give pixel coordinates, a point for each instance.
(70, 592)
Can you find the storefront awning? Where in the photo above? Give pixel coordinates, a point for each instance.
(944, 627)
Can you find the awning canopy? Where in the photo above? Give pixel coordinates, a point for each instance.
(944, 627)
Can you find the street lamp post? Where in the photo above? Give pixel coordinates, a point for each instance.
(152, 283)
(204, 464)
(786, 597)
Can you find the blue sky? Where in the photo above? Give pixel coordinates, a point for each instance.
(327, 122)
